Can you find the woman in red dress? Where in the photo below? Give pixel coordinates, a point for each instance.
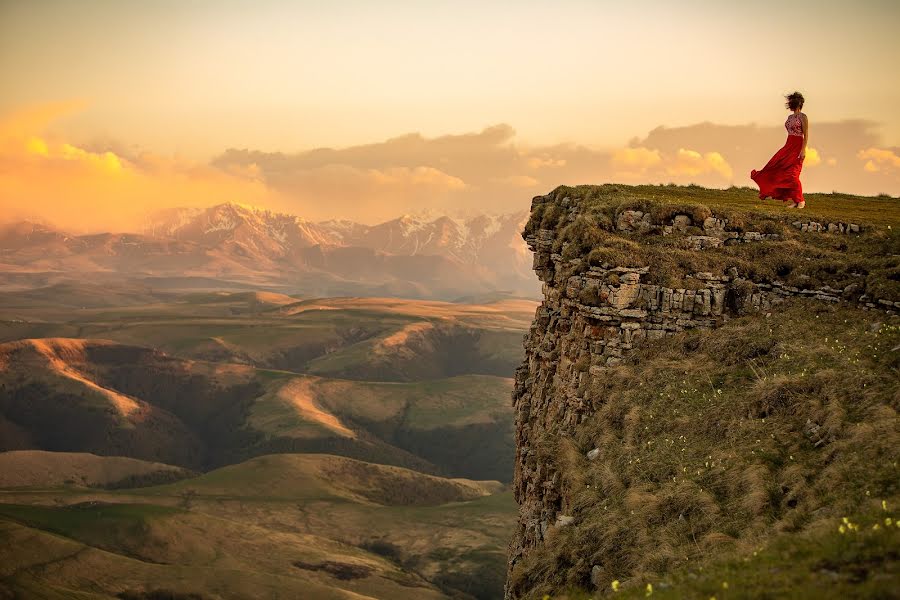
(780, 178)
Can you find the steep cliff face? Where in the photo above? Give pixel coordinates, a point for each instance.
(625, 269)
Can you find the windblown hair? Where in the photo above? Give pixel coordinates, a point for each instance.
(794, 101)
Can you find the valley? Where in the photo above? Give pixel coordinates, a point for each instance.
(279, 526)
(235, 444)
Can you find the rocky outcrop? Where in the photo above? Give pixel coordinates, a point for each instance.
(593, 315)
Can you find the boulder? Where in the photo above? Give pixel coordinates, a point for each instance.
(564, 520)
(681, 222)
(596, 576)
(713, 225)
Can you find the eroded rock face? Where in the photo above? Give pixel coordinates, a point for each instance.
(589, 321)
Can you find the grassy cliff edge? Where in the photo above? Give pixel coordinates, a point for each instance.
(746, 453)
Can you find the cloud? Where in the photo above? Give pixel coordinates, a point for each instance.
(499, 173)
(543, 162)
(812, 158)
(111, 185)
(692, 163)
(46, 178)
(638, 163)
(427, 177)
(635, 159)
(366, 194)
(879, 160)
(73, 158)
(24, 123)
(373, 182)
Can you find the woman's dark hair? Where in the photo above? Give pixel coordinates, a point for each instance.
(794, 101)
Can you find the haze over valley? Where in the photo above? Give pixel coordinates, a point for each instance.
(362, 444)
(232, 246)
(158, 383)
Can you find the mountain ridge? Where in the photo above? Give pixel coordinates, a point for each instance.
(411, 256)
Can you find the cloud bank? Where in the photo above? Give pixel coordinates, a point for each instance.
(106, 185)
(48, 179)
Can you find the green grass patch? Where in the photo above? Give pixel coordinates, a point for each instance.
(99, 524)
(830, 563)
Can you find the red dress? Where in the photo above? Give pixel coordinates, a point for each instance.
(780, 178)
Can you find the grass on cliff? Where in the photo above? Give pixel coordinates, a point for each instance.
(735, 454)
(745, 202)
(859, 563)
(867, 262)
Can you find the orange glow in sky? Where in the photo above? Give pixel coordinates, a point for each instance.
(363, 109)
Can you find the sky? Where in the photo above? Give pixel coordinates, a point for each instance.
(367, 110)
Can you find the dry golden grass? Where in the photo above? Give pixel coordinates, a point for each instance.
(324, 476)
(36, 468)
(281, 526)
(515, 313)
(718, 441)
(59, 357)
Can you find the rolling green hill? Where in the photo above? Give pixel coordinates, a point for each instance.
(358, 338)
(271, 398)
(280, 526)
(36, 468)
(105, 398)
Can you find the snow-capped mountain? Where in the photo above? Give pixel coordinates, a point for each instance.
(252, 227)
(415, 256)
(460, 239)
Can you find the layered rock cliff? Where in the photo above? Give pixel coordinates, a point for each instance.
(624, 269)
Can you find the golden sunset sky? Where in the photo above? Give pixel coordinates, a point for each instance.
(365, 110)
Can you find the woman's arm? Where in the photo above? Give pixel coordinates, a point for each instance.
(805, 122)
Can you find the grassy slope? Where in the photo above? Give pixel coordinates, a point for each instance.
(57, 563)
(835, 207)
(749, 442)
(463, 424)
(238, 531)
(24, 468)
(454, 401)
(424, 423)
(309, 477)
(332, 337)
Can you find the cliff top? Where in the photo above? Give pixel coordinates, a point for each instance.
(880, 210)
(839, 241)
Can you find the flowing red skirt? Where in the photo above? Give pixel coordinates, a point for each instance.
(780, 178)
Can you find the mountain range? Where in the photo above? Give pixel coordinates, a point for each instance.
(236, 246)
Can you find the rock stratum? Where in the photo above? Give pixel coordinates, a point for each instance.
(709, 378)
